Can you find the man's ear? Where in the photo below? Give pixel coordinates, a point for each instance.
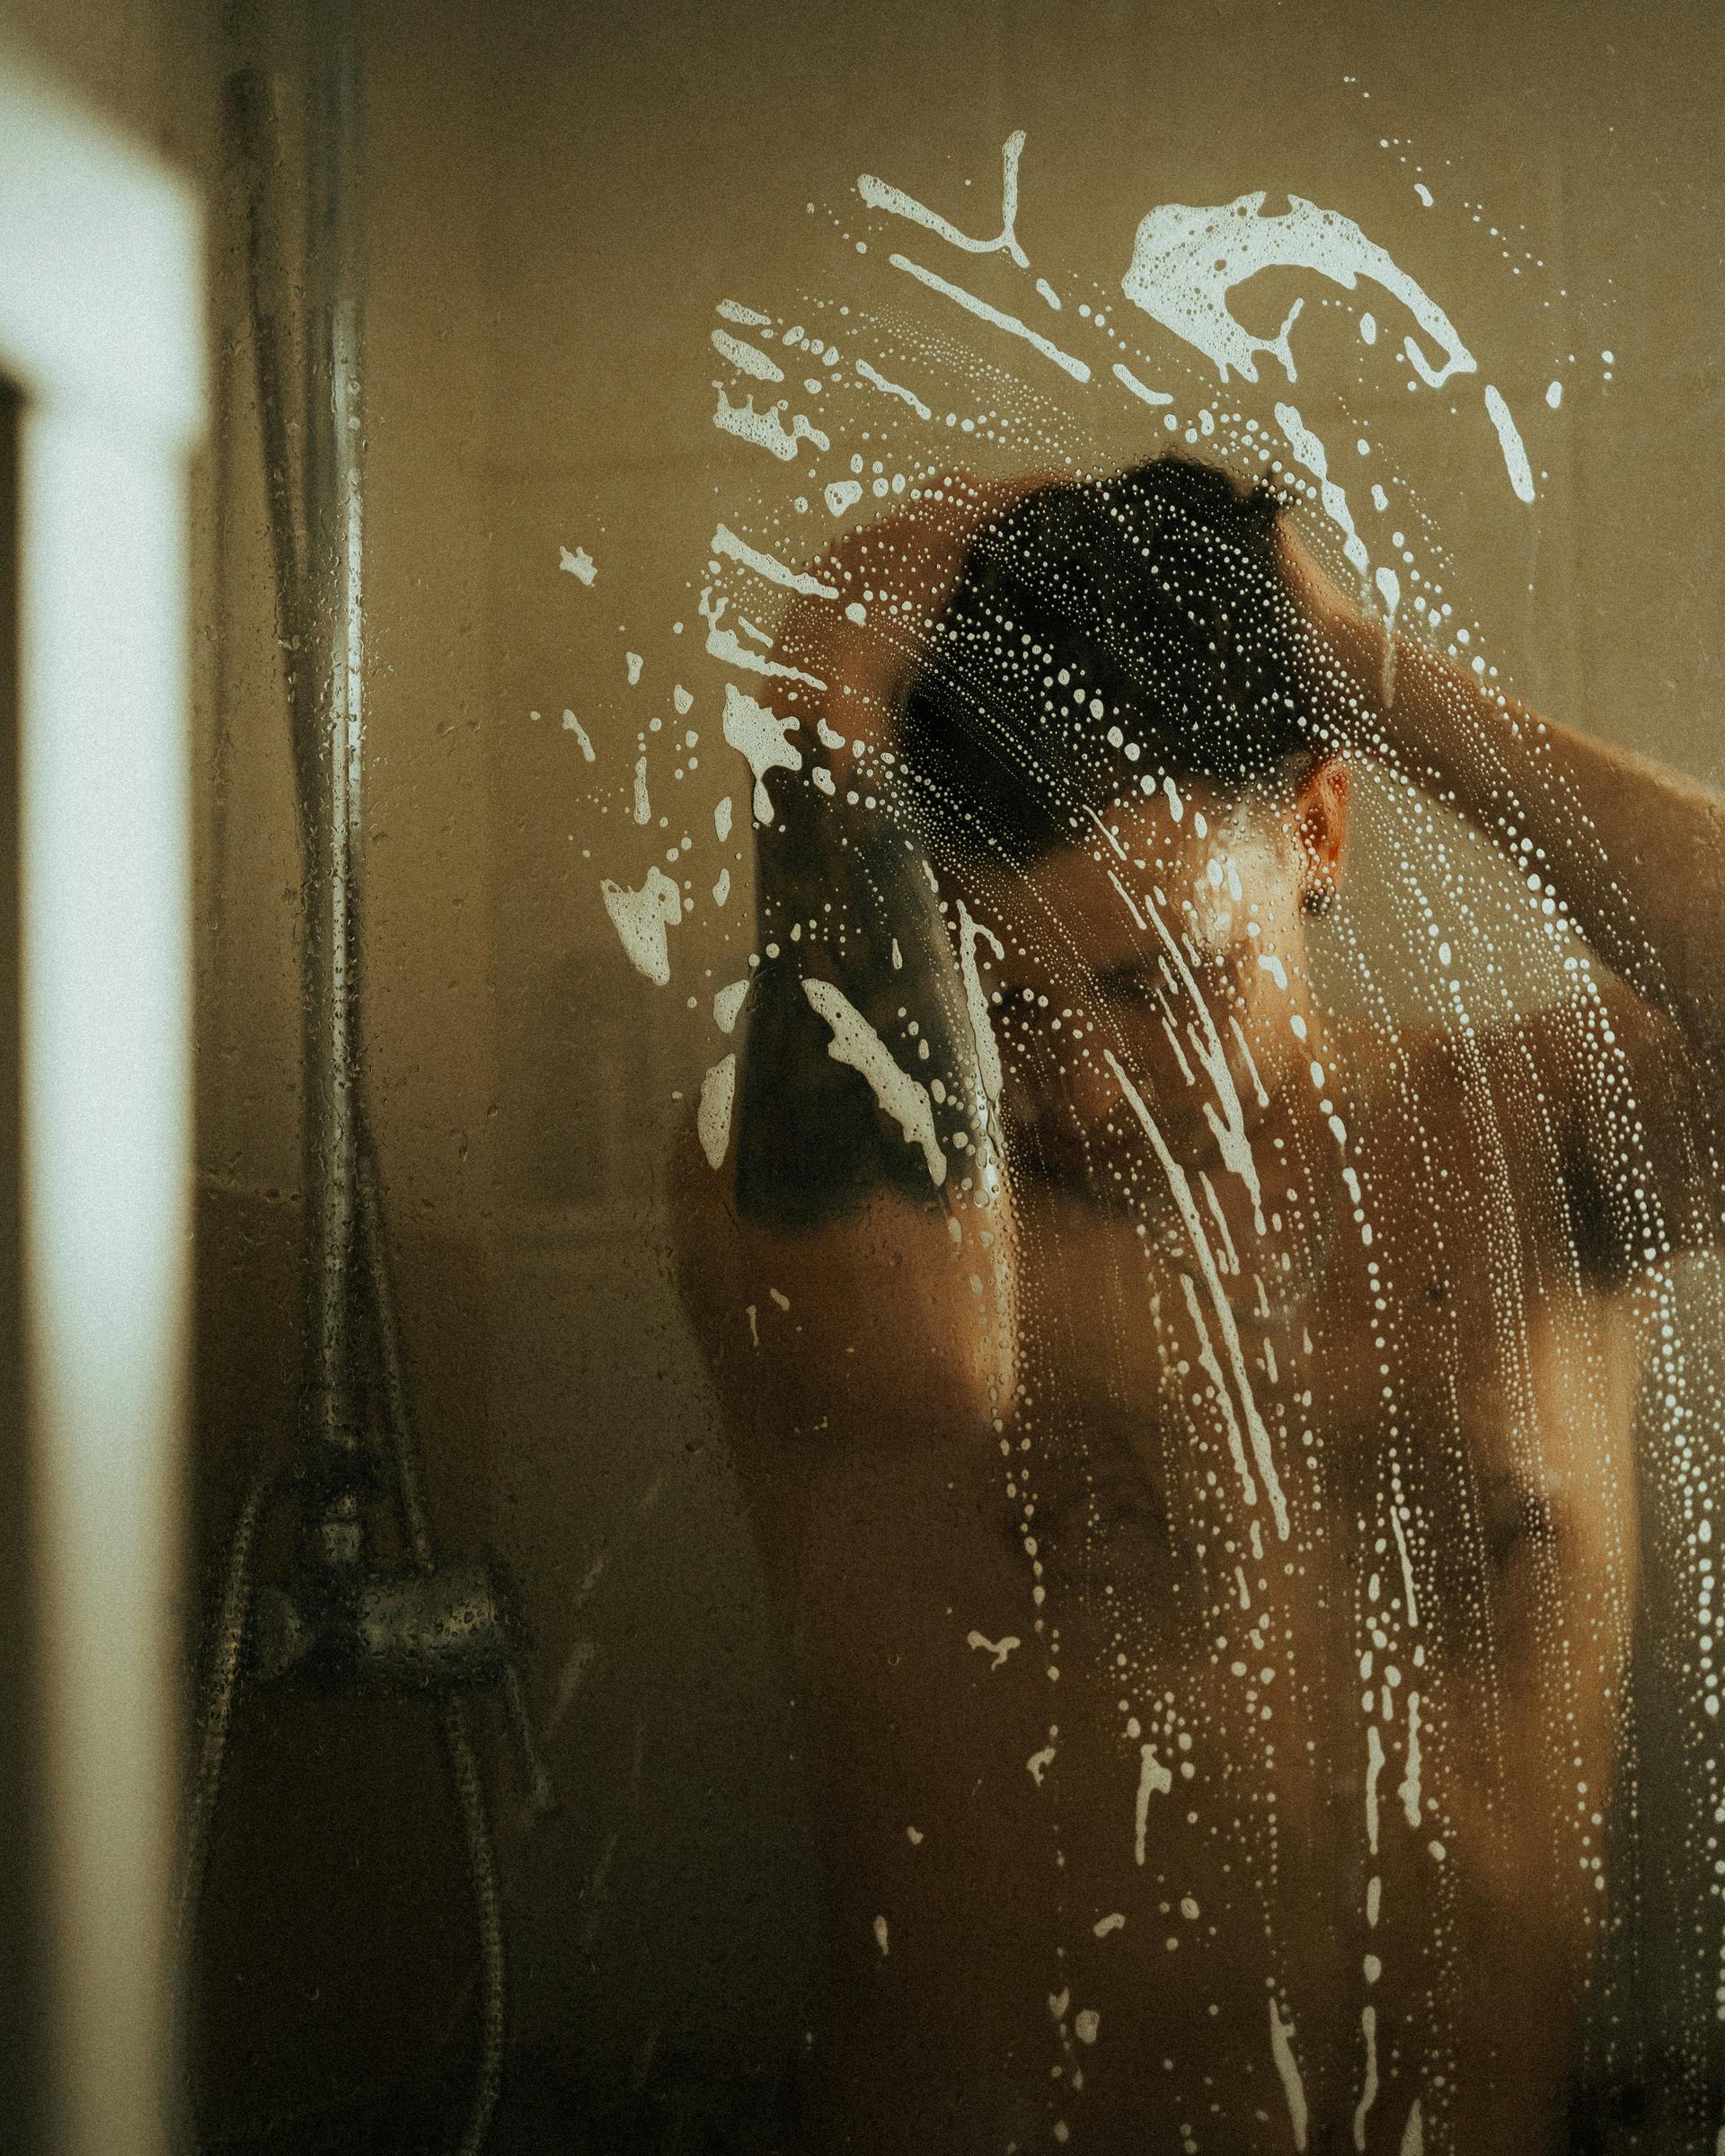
(1318, 824)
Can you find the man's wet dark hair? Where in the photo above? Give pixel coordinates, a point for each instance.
(1105, 635)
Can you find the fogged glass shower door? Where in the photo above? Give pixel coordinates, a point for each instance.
(1045, 986)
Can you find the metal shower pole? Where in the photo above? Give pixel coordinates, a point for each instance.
(346, 1620)
(330, 723)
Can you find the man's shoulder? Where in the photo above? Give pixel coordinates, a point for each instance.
(1537, 1058)
(1475, 1106)
(1581, 1112)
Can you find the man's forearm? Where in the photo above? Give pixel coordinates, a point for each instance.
(1633, 852)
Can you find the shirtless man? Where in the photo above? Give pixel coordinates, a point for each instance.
(1190, 1433)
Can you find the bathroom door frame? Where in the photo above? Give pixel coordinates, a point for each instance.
(101, 353)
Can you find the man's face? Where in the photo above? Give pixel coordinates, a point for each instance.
(1173, 946)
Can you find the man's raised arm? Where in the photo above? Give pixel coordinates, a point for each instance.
(1634, 853)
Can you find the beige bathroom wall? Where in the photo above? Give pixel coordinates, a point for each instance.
(147, 65)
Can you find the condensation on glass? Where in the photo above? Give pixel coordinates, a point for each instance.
(1095, 1192)
(1185, 1323)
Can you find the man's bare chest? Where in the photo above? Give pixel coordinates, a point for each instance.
(1463, 1361)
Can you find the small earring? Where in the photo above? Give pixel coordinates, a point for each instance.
(1318, 900)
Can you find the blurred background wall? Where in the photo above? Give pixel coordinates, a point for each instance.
(559, 196)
